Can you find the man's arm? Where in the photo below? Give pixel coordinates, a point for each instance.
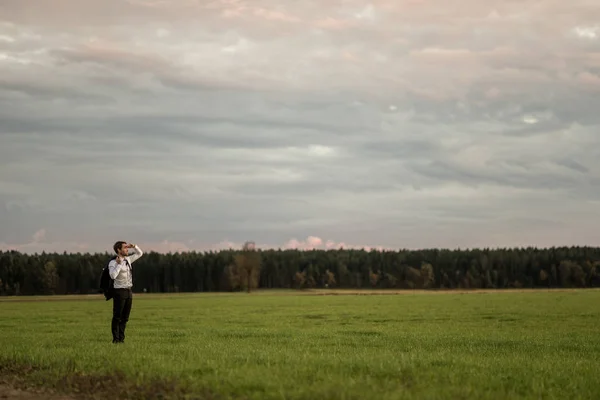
(137, 253)
(114, 269)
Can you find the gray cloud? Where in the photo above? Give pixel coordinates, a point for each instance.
(197, 125)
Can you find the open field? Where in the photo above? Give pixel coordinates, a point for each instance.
(285, 345)
(304, 292)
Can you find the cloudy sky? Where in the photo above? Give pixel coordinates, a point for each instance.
(198, 124)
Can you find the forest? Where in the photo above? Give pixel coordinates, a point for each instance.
(248, 269)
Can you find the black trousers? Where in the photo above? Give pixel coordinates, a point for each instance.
(122, 301)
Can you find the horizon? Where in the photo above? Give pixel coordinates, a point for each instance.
(197, 126)
(317, 249)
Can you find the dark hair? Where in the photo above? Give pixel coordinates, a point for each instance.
(117, 246)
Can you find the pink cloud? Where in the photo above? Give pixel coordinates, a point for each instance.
(332, 23)
(271, 15)
(151, 4)
(349, 56)
(165, 246)
(38, 244)
(316, 243)
(310, 243)
(108, 53)
(275, 15)
(39, 235)
(589, 80)
(236, 10)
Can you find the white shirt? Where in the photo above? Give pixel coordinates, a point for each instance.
(121, 273)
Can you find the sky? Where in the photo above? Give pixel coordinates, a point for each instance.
(394, 124)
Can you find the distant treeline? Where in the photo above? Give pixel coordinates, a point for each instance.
(564, 267)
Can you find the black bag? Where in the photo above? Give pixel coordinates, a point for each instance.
(107, 284)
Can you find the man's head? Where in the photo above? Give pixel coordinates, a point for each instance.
(120, 248)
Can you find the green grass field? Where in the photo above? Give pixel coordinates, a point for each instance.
(282, 345)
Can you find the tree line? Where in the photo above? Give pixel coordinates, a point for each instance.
(249, 268)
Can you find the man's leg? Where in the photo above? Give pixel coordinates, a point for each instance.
(127, 303)
(118, 306)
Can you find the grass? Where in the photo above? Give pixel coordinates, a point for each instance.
(520, 345)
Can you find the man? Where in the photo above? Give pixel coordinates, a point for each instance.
(119, 270)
